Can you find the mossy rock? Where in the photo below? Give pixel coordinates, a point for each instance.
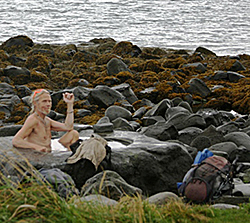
(148, 79)
(173, 63)
(79, 67)
(105, 58)
(37, 76)
(38, 62)
(62, 79)
(124, 76)
(3, 55)
(17, 43)
(152, 65)
(84, 56)
(123, 49)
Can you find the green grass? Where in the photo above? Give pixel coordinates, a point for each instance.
(35, 201)
(38, 203)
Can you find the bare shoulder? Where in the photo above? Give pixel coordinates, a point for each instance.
(31, 120)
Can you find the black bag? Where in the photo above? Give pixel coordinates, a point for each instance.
(208, 180)
(84, 169)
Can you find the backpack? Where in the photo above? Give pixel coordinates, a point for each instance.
(208, 180)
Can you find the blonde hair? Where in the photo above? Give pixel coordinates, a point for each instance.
(35, 97)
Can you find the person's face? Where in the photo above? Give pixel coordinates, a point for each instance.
(44, 104)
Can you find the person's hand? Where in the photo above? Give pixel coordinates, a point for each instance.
(42, 149)
(68, 97)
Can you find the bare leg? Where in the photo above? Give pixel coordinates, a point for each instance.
(70, 137)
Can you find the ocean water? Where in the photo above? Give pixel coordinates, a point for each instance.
(221, 26)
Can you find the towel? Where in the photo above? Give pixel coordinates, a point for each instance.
(92, 149)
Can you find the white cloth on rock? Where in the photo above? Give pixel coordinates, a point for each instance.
(92, 149)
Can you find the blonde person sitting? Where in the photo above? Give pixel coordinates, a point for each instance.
(36, 131)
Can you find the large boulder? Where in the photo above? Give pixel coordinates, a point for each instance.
(149, 164)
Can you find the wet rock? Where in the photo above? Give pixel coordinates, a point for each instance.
(10, 130)
(228, 127)
(161, 131)
(17, 41)
(115, 66)
(122, 124)
(115, 111)
(83, 112)
(127, 92)
(187, 135)
(174, 110)
(214, 135)
(139, 113)
(147, 121)
(237, 66)
(104, 96)
(109, 184)
(95, 199)
(227, 75)
(204, 51)
(198, 66)
(197, 86)
(159, 109)
(6, 88)
(18, 74)
(201, 143)
(230, 148)
(103, 125)
(225, 206)
(163, 198)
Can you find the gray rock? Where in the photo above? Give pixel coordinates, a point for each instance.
(138, 114)
(21, 74)
(144, 162)
(214, 135)
(230, 148)
(197, 86)
(10, 130)
(122, 124)
(147, 121)
(237, 66)
(225, 206)
(95, 199)
(174, 110)
(115, 111)
(127, 92)
(187, 135)
(239, 138)
(186, 105)
(227, 75)
(83, 112)
(228, 127)
(104, 96)
(6, 89)
(80, 92)
(103, 127)
(109, 184)
(160, 108)
(161, 131)
(163, 198)
(115, 66)
(198, 66)
(234, 77)
(201, 142)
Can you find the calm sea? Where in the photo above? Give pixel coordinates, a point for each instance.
(222, 26)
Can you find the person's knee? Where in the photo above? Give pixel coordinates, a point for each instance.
(75, 134)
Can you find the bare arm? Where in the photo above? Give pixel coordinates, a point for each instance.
(69, 121)
(19, 139)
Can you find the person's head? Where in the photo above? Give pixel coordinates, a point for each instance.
(41, 101)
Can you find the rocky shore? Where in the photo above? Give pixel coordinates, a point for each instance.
(156, 107)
